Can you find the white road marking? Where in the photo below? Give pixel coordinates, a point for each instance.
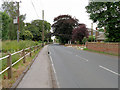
(109, 70)
(52, 64)
(82, 58)
(54, 72)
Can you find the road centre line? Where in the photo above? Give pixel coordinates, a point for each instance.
(82, 58)
(109, 70)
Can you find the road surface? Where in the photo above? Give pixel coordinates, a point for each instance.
(81, 69)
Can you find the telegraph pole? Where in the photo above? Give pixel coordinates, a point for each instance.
(91, 32)
(43, 28)
(18, 27)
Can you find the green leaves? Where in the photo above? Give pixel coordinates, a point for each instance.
(5, 25)
(9, 29)
(35, 28)
(107, 14)
(28, 35)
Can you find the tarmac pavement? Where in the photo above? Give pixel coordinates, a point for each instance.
(39, 75)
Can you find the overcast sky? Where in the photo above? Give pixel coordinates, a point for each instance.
(54, 8)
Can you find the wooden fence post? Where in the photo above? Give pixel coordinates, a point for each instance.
(34, 49)
(30, 51)
(9, 64)
(37, 48)
(24, 56)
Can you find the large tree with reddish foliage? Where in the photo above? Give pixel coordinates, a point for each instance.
(79, 33)
(63, 26)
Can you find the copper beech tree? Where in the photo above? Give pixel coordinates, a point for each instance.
(66, 28)
(63, 26)
(79, 33)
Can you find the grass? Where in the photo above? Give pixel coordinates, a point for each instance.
(13, 46)
(17, 71)
(86, 49)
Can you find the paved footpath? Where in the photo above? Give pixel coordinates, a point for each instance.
(39, 75)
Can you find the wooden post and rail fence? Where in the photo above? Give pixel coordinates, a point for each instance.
(24, 54)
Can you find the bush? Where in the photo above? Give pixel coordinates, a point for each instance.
(28, 35)
(91, 38)
(84, 40)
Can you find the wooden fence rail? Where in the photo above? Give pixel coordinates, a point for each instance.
(24, 54)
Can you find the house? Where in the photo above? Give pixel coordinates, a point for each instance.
(100, 36)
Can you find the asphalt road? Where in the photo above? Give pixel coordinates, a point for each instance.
(81, 69)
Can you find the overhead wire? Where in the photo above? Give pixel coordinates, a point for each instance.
(39, 5)
(33, 4)
(34, 9)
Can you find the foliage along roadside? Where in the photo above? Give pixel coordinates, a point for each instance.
(107, 15)
(67, 28)
(28, 31)
(13, 46)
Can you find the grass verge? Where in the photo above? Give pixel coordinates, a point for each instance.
(17, 71)
(14, 46)
(86, 49)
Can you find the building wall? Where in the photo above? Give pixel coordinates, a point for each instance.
(104, 47)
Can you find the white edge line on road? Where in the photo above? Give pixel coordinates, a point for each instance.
(82, 58)
(109, 70)
(52, 65)
(54, 71)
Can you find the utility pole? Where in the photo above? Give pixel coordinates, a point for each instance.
(43, 28)
(96, 33)
(18, 27)
(91, 32)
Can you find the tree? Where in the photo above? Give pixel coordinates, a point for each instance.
(11, 9)
(22, 25)
(27, 35)
(47, 33)
(0, 25)
(34, 30)
(5, 25)
(48, 37)
(79, 33)
(106, 14)
(63, 26)
(36, 27)
(100, 30)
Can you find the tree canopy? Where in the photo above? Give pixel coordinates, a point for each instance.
(106, 14)
(36, 27)
(63, 26)
(79, 33)
(28, 31)
(10, 9)
(5, 25)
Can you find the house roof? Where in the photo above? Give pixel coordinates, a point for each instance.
(101, 37)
